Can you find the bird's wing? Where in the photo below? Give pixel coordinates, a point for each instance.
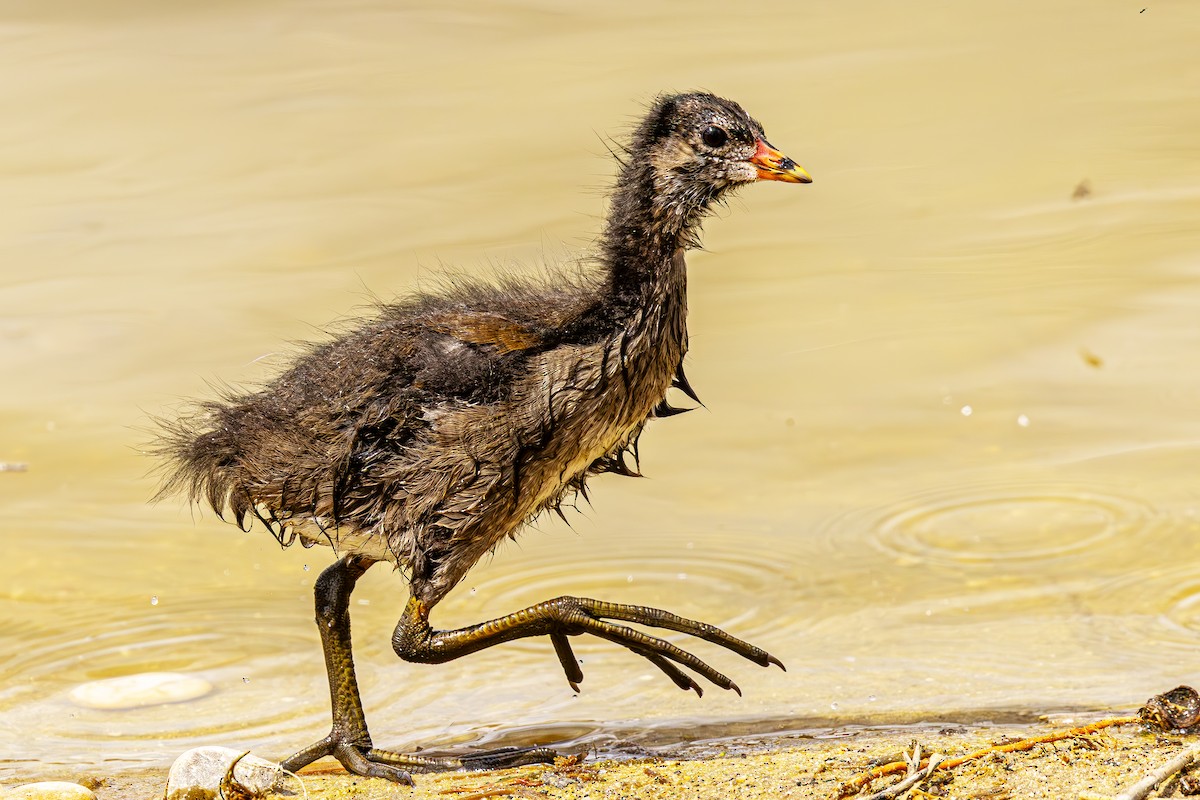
(485, 328)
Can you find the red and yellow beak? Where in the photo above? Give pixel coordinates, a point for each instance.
(773, 165)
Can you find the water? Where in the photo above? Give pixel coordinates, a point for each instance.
(187, 190)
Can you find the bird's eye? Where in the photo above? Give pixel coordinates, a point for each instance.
(714, 137)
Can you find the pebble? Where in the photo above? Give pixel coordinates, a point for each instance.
(144, 689)
(197, 774)
(49, 790)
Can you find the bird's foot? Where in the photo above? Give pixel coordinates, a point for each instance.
(356, 758)
(578, 615)
(371, 762)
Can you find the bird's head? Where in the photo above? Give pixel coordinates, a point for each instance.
(687, 153)
(697, 146)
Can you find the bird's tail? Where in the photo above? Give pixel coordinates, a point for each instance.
(202, 460)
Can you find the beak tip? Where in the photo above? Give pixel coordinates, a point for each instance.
(773, 165)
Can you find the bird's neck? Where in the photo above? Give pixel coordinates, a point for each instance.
(645, 307)
(648, 230)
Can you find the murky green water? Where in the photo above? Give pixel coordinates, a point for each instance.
(948, 458)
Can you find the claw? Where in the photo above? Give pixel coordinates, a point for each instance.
(566, 657)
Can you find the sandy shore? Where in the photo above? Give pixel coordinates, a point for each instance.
(1094, 765)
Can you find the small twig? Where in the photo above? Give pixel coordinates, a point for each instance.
(916, 775)
(1146, 785)
(228, 782)
(299, 780)
(1029, 744)
(860, 782)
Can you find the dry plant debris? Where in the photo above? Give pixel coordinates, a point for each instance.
(1176, 711)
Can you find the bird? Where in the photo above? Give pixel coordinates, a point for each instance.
(431, 431)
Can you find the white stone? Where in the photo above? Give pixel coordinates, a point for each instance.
(49, 790)
(197, 774)
(143, 689)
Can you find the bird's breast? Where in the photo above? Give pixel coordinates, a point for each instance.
(595, 400)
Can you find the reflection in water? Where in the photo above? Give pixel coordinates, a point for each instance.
(188, 189)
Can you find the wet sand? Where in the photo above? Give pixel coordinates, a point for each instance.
(1097, 765)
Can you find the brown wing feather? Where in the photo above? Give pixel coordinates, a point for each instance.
(486, 329)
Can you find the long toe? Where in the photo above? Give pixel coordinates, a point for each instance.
(357, 763)
(506, 757)
(644, 644)
(658, 618)
(398, 767)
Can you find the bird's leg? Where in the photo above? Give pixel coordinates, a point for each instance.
(349, 741)
(415, 640)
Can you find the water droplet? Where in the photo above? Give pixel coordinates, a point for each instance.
(681, 576)
(967, 411)
(833, 706)
(473, 590)
(1023, 421)
(871, 698)
(245, 680)
(629, 579)
(306, 567)
(154, 600)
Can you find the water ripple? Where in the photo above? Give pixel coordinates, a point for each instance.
(986, 524)
(1148, 615)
